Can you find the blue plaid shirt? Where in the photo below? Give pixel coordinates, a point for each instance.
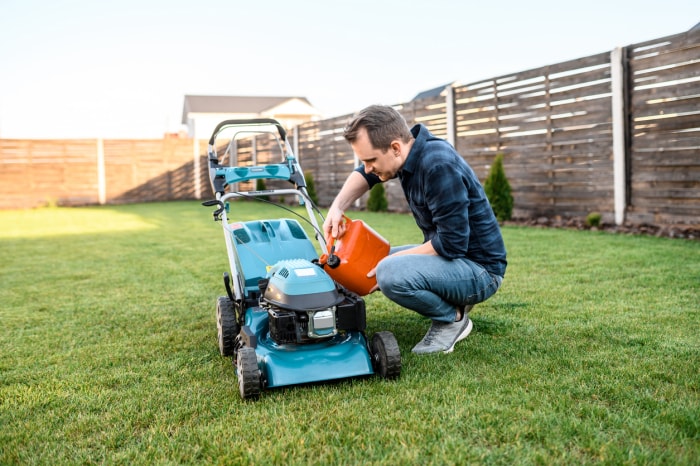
(449, 203)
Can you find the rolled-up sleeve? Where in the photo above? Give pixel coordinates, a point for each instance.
(371, 178)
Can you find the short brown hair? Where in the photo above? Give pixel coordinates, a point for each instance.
(383, 124)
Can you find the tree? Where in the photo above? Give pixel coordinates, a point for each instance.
(310, 187)
(260, 186)
(498, 190)
(377, 199)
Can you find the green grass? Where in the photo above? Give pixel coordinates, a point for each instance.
(590, 353)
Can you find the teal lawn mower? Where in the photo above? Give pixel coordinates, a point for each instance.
(284, 320)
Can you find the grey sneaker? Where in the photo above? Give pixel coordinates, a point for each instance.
(443, 336)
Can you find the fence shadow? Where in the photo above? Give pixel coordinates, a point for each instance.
(178, 184)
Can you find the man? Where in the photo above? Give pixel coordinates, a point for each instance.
(462, 260)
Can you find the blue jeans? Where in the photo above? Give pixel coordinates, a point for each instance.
(432, 285)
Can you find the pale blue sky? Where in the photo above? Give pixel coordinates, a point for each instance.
(120, 69)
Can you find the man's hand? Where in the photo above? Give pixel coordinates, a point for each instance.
(371, 274)
(334, 224)
(355, 186)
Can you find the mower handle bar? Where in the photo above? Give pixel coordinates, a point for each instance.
(249, 122)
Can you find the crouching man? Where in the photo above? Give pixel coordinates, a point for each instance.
(462, 260)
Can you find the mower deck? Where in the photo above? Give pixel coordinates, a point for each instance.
(343, 356)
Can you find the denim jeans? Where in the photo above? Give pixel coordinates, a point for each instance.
(432, 285)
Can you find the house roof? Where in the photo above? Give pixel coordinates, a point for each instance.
(232, 104)
(435, 92)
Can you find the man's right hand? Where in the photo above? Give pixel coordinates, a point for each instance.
(355, 186)
(334, 224)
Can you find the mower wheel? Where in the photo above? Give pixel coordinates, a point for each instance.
(249, 384)
(226, 325)
(386, 356)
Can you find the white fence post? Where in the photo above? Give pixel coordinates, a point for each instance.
(197, 169)
(101, 174)
(450, 114)
(617, 75)
(295, 148)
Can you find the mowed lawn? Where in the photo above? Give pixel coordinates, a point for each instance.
(589, 354)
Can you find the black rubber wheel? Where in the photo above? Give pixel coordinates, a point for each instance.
(226, 325)
(249, 384)
(386, 356)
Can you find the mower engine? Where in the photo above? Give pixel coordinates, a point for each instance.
(305, 305)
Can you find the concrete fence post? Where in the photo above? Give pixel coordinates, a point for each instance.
(254, 151)
(619, 123)
(450, 114)
(101, 173)
(295, 147)
(197, 169)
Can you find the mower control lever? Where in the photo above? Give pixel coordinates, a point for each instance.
(217, 212)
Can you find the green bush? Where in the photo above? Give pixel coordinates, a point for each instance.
(310, 187)
(260, 186)
(377, 199)
(593, 219)
(498, 191)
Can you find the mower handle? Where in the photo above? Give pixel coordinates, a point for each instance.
(219, 210)
(249, 122)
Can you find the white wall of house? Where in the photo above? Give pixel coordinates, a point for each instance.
(201, 125)
(290, 114)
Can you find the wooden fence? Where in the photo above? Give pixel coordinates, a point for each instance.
(79, 172)
(664, 116)
(616, 133)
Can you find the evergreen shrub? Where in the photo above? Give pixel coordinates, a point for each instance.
(377, 201)
(310, 187)
(498, 190)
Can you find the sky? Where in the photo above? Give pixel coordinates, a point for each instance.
(121, 69)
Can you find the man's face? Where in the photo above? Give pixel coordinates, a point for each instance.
(384, 164)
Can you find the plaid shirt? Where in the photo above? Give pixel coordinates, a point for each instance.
(448, 203)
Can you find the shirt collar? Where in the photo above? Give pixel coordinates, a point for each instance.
(420, 134)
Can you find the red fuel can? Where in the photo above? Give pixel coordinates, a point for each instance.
(353, 255)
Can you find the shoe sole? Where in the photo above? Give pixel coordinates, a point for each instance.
(465, 333)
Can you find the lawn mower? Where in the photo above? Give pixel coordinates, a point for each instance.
(284, 320)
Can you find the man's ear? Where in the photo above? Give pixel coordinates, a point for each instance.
(396, 147)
